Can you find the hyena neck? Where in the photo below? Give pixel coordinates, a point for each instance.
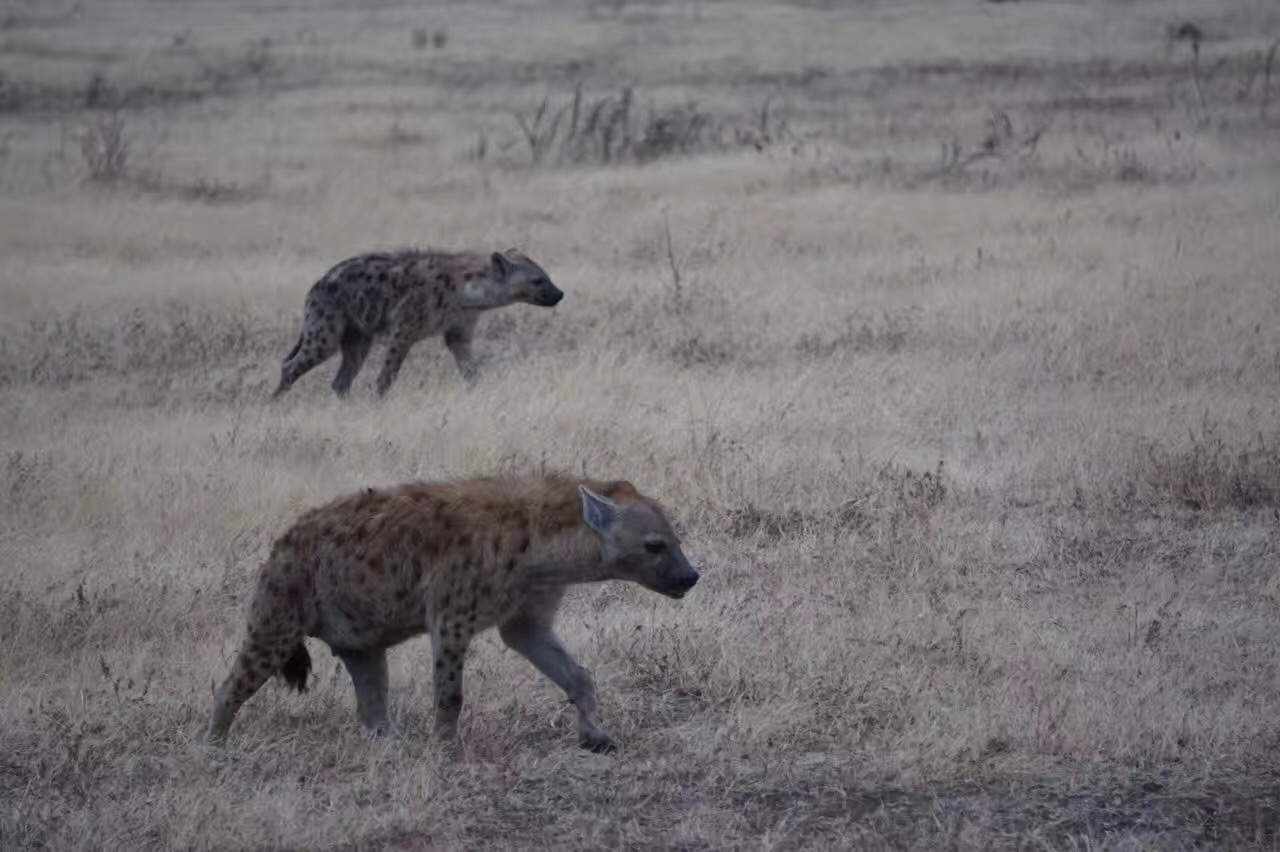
(566, 559)
(566, 551)
(483, 293)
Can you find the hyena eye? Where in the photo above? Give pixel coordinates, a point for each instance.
(655, 546)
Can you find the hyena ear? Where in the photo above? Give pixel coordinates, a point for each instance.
(599, 512)
(501, 266)
(620, 488)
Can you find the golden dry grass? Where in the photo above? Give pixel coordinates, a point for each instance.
(978, 453)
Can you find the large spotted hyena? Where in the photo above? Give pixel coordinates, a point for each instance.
(404, 297)
(371, 570)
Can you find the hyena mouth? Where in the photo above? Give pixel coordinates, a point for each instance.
(679, 588)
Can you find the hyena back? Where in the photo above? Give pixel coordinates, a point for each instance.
(450, 560)
(404, 297)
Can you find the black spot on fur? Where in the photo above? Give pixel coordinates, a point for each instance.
(296, 668)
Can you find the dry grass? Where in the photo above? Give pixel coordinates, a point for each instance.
(974, 434)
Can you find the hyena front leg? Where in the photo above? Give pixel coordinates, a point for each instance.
(529, 633)
(449, 641)
(458, 339)
(368, 670)
(397, 351)
(317, 342)
(355, 348)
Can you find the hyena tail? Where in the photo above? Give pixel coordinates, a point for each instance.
(320, 337)
(297, 667)
(289, 372)
(311, 318)
(293, 353)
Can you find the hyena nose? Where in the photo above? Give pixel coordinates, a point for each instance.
(554, 296)
(685, 582)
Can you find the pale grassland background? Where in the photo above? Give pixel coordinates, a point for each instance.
(978, 455)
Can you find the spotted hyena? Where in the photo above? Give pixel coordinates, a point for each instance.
(404, 297)
(371, 570)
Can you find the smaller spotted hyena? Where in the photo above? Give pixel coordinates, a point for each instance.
(404, 297)
(371, 570)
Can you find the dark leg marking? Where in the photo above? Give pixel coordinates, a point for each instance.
(458, 340)
(450, 652)
(396, 354)
(368, 670)
(355, 348)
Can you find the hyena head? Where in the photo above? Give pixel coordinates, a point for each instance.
(522, 280)
(638, 544)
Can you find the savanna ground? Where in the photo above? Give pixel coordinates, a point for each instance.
(947, 329)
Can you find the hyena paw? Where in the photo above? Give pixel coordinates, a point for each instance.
(598, 743)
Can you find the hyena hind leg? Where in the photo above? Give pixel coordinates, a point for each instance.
(317, 343)
(355, 349)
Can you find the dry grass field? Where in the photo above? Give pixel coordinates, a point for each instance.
(950, 331)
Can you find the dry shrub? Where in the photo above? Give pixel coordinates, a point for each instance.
(1212, 474)
(610, 129)
(1000, 143)
(105, 145)
(420, 37)
(214, 191)
(257, 63)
